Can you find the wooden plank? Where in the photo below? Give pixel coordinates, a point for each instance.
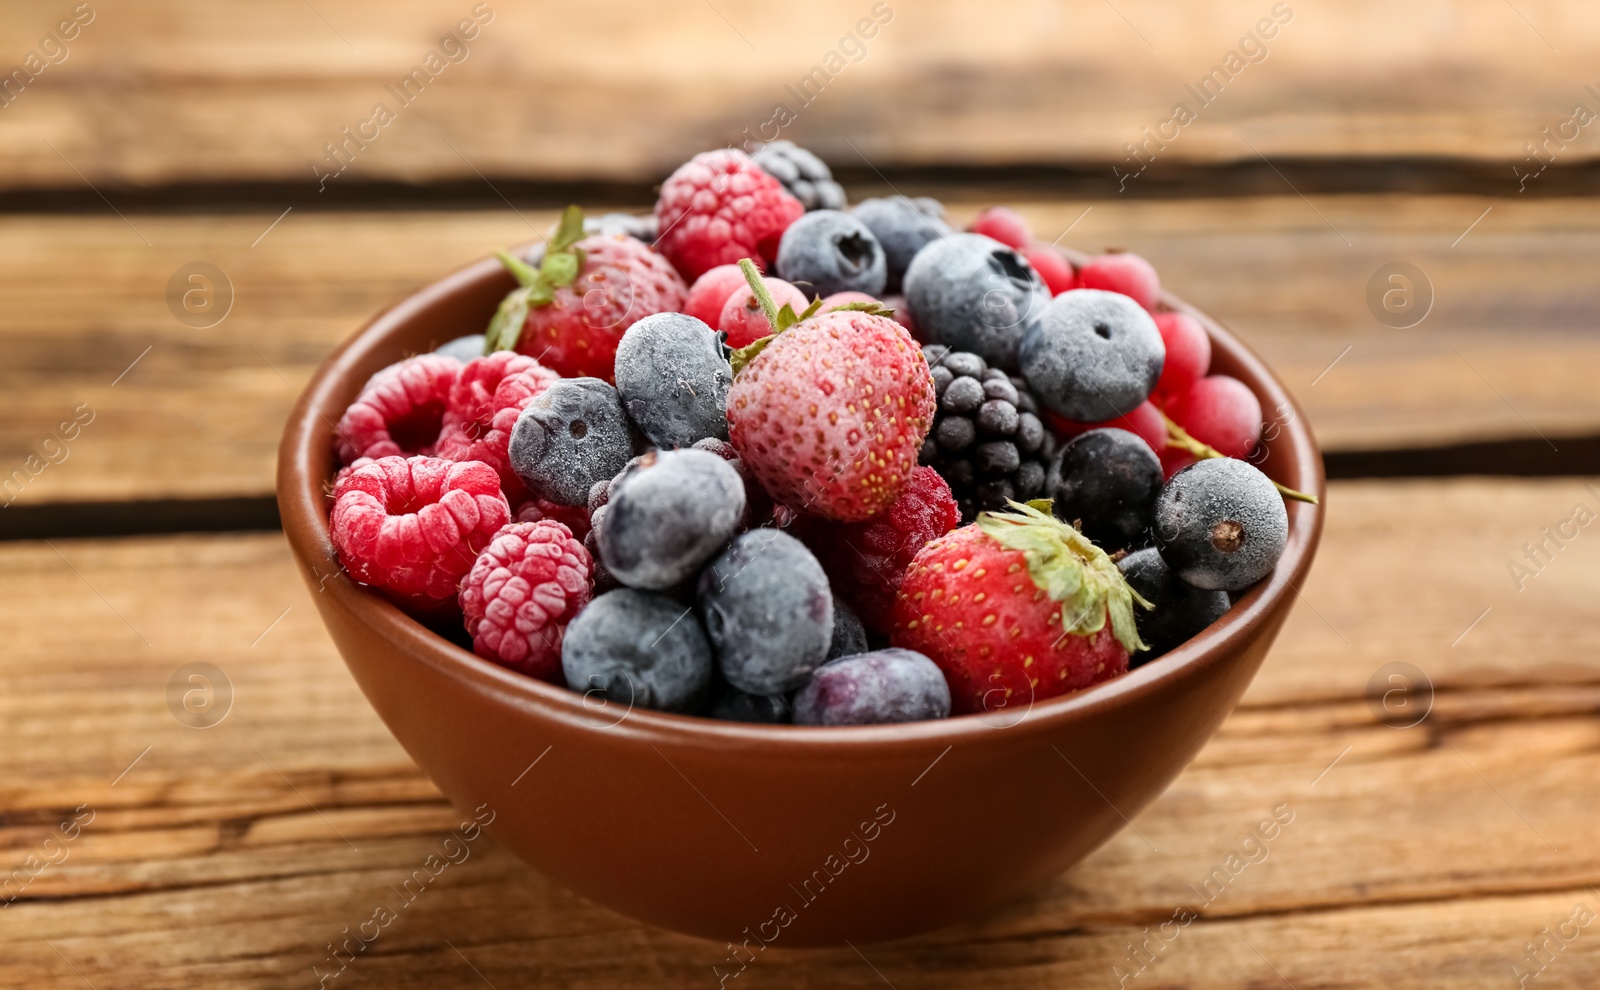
(185, 412)
(623, 91)
(1426, 855)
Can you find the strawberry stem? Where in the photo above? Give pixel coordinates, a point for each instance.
(524, 273)
(758, 288)
(1178, 437)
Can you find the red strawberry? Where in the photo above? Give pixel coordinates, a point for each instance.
(830, 412)
(570, 313)
(1014, 608)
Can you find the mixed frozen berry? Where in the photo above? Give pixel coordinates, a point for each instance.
(764, 457)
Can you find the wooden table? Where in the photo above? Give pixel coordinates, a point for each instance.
(1427, 852)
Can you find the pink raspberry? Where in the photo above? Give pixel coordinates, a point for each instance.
(719, 207)
(399, 410)
(412, 526)
(483, 406)
(867, 560)
(522, 591)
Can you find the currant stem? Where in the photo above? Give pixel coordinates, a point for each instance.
(1178, 437)
(758, 287)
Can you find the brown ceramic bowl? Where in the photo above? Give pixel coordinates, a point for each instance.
(795, 836)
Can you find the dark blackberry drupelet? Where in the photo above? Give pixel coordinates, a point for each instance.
(987, 439)
(805, 175)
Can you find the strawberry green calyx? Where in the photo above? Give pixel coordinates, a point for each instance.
(870, 308)
(1068, 567)
(537, 286)
(778, 319)
(1178, 437)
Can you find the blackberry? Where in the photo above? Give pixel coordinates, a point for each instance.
(806, 176)
(987, 439)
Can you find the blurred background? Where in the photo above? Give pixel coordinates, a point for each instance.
(316, 160)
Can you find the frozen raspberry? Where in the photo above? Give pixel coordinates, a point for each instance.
(620, 282)
(522, 591)
(483, 406)
(710, 291)
(1004, 225)
(1054, 268)
(412, 526)
(866, 560)
(399, 410)
(719, 207)
(574, 517)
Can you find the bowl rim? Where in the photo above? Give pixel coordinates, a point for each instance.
(302, 506)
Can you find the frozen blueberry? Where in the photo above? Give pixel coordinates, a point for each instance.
(1220, 524)
(642, 228)
(1180, 610)
(904, 227)
(831, 252)
(1093, 355)
(768, 610)
(806, 176)
(674, 380)
(849, 635)
(668, 514)
(892, 685)
(973, 293)
(463, 349)
(729, 704)
(1108, 479)
(637, 648)
(570, 436)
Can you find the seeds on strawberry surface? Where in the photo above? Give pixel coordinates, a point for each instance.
(832, 252)
(972, 293)
(673, 380)
(638, 649)
(570, 436)
(1092, 355)
(666, 515)
(878, 688)
(1220, 524)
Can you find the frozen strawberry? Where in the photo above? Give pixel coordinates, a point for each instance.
(570, 313)
(1015, 608)
(830, 412)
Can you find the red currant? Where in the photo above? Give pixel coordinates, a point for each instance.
(1054, 268)
(1004, 225)
(1118, 271)
(1145, 422)
(1188, 355)
(1222, 412)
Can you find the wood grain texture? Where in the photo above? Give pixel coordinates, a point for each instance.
(181, 412)
(167, 92)
(1427, 855)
